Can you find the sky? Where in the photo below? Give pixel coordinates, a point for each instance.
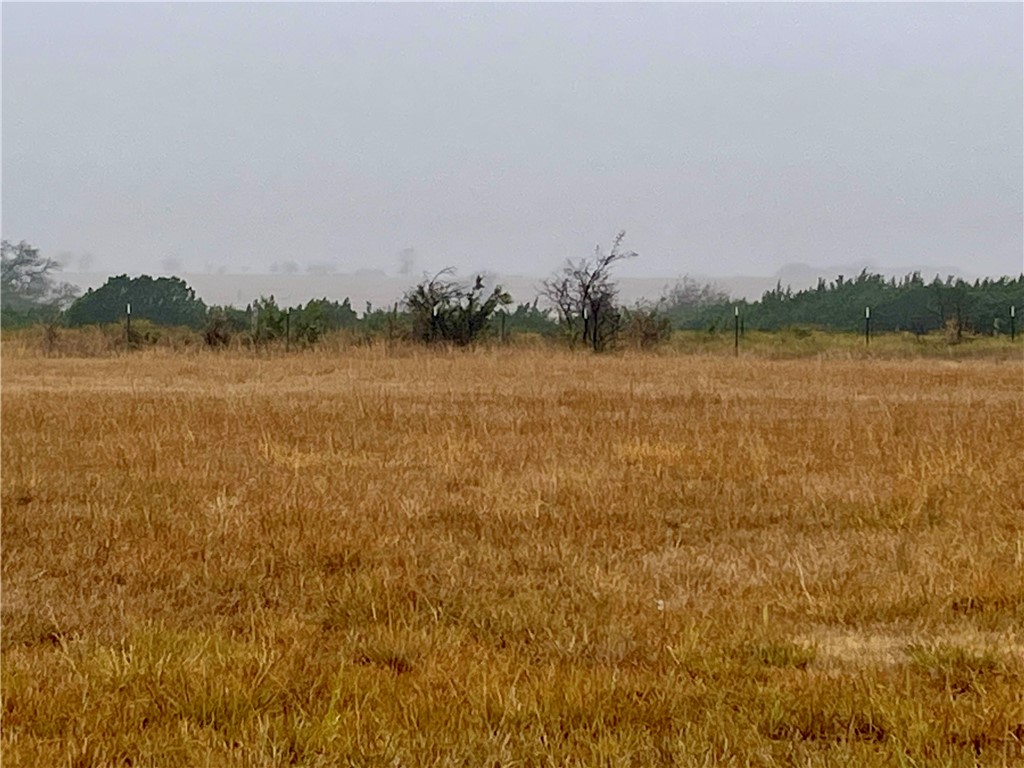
(723, 138)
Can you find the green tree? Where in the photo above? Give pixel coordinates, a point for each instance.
(164, 301)
(331, 315)
(909, 304)
(268, 319)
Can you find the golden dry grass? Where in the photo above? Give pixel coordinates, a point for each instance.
(511, 557)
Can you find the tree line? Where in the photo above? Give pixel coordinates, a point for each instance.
(581, 306)
(910, 304)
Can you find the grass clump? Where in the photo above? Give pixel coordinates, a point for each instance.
(960, 670)
(779, 654)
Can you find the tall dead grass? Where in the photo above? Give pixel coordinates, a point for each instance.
(511, 556)
(794, 343)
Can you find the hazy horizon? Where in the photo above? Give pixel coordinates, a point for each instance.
(726, 139)
(382, 289)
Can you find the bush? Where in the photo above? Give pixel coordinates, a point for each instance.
(647, 327)
(222, 324)
(446, 311)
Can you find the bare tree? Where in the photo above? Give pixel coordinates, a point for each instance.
(585, 296)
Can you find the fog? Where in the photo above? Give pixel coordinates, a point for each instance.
(726, 139)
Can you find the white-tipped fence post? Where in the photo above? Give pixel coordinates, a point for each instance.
(736, 330)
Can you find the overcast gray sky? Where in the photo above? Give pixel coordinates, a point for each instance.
(724, 138)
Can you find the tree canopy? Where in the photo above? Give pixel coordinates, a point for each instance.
(908, 304)
(163, 301)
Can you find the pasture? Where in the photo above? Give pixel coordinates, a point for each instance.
(406, 557)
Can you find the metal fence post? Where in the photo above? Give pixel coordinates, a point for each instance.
(736, 330)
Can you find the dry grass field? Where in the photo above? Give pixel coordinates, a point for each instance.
(511, 557)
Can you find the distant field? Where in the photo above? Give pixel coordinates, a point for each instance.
(512, 557)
